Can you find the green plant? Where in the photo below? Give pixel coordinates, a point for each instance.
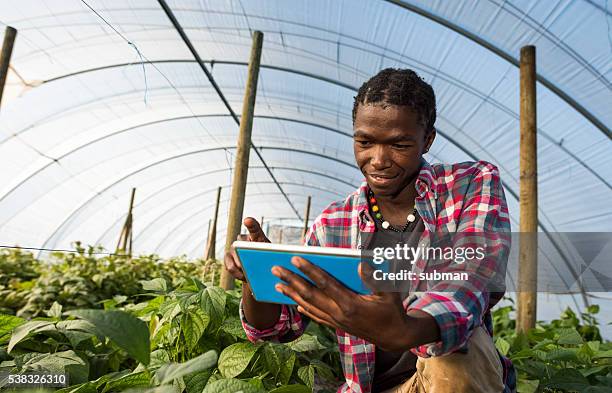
(563, 355)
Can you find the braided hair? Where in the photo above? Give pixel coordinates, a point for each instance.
(402, 87)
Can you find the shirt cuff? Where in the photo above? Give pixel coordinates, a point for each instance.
(288, 327)
(454, 321)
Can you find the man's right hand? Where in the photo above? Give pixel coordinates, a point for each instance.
(256, 234)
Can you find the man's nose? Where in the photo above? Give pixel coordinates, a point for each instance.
(380, 158)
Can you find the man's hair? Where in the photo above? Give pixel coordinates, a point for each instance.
(402, 87)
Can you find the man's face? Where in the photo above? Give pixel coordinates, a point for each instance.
(389, 142)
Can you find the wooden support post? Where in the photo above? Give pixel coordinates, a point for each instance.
(207, 238)
(124, 245)
(528, 201)
(212, 234)
(5, 56)
(241, 167)
(306, 216)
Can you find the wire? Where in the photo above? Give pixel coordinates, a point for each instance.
(59, 250)
(187, 41)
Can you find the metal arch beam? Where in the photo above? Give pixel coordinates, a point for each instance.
(198, 229)
(511, 191)
(274, 219)
(220, 233)
(509, 58)
(206, 173)
(185, 154)
(48, 164)
(225, 62)
(225, 200)
(347, 86)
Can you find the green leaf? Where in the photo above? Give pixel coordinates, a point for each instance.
(155, 285)
(569, 336)
(7, 324)
(561, 354)
(213, 303)
(502, 345)
(307, 374)
(172, 371)
(231, 386)
(27, 329)
(322, 369)
(233, 327)
(76, 331)
(292, 389)
(194, 324)
(568, 379)
(128, 332)
(306, 343)
(235, 358)
(60, 362)
(55, 311)
(195, 383)
(152, 306)
(284, 375)
(593, 309)
(603, 354)
(127, 381)
(527, 386)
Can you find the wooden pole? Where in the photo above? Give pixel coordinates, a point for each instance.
(241, 167)
(306, 216)
(528, 201)
(125, 238)
(5, 56)
(207, 238)
(212, 234)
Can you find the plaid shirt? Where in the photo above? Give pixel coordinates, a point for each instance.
(465, 197)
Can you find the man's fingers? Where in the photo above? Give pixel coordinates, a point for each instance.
(323, 281)
(305, 307)
(256, 234)
(381, 288)
(232, 264)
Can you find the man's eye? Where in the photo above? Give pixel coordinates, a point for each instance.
(401, 146)
(363, 143)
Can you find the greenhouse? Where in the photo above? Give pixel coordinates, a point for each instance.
(122, 129)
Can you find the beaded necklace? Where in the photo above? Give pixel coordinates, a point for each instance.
(384, 223)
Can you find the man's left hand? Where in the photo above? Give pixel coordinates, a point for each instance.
(379, 318)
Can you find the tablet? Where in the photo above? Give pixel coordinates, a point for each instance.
(258, 258)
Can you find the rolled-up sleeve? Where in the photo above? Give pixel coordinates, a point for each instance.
(291, 324)
(458, 306)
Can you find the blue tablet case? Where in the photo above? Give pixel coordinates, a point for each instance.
(257, 265)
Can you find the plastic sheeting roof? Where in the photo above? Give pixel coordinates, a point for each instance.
(104, 98)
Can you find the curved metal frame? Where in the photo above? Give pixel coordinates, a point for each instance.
(293, 169)
(509, 58)
(197, 151)
(479, 41)
(225, 200)
(103, 137)
(338, 83)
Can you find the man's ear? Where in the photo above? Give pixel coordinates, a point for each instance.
(429, 138)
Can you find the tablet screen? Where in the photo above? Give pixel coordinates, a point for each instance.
(258, 259)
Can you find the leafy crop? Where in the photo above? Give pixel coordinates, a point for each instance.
(116, 324)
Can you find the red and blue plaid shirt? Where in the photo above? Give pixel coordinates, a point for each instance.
(459, 198)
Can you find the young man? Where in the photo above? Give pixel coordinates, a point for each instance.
(437, 338)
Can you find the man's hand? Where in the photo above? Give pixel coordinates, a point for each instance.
(256, 234)
(260, 315)
(379, 318)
